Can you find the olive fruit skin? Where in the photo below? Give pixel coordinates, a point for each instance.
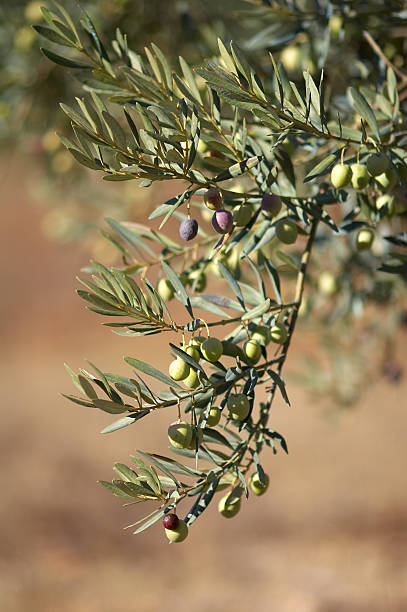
(270, 205)
(213, 198)
(386, 200)
(213, 417)
(170, 521)
(228, 510)
(178, 369)
(180, 434)
(179, 534)
(192, 445)
(239, 406)
(165, 289)
(252, 350)
(360, 176)
(278, 333)
(364, 239)
(222, 221)
(192, 380)
(193, 352)
(340, 176)
(377, 163)
(286, 231)
(388, 179)
(261, 334)
(197, 279)
(291, 58)
(242, 215)
(211, 349)
(256, 486)
(327, 283)
(188, 229)
(197, 341)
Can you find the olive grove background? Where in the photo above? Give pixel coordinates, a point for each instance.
(330, 534)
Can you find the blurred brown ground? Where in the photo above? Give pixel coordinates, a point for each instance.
(329, 536)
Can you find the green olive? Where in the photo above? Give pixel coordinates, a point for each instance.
(377, 163)
(242, 215)
(197, 280)
(327, 283)
(340, 176)
(286, 231)
(178, 534)
(261, 334)
(252, 350)
(360, 176)
(213, 416)
(211, 349)
(178, 369)
(193, 351)
(388, 179)
(165, 289)
(239, 406)
(192, 380)
(386, 200)
(228, 509)
(180, 434)
(364, 239)
(256, 486)
(278, 333)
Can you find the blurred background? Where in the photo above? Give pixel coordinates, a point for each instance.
(330, 535)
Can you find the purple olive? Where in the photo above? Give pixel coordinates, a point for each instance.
(270, 205)
(188, 229)
(222, 221)
(170, 521)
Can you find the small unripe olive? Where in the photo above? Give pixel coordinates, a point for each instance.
(256, 486)
(340, 176)
(178, 369)
(290, 57)
(192, 445)
(388, 179)
(193, 352)
(213, 417)
(242, 215)
(252, 350)
(377, 163)
(180, 434)
(327, 283)
(197, 279)
(178, 534)
(228, 510)
(360, 176)
(270, 205)
(213, 198)
(192, 380)
(32, 11)
(278, 333)
(286, 231)
(211, 349)
(364, 239)
(261, 334)
(165, 289)
(335, 24)
(388, 201)
(197, 341)
(239, 406)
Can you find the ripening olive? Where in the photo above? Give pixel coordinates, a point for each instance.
(270, 205)
(256, 486)
(180, 434)
(340, 176)
(178, 369)
(377, 163)
(278, 333)
(213, 198)
(286, 231)
(211, 349)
